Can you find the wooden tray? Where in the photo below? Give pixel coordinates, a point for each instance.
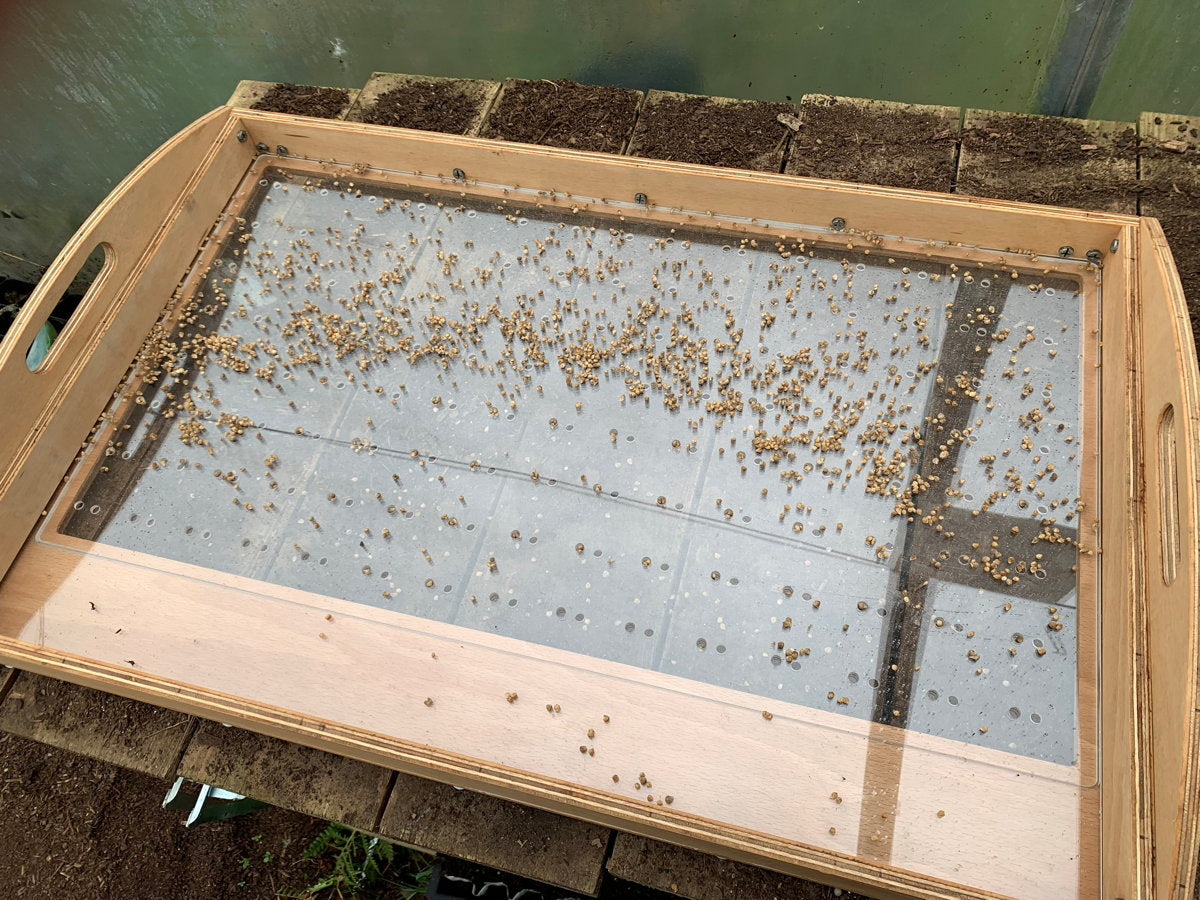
(720, 758)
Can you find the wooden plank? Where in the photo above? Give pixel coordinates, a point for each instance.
(498, 833)
(698, 876)
(1080, 163)
(1170, 429)
(714, 131)
(563, 114)
(249, 92)
(1169, 183)
(106, 727)
(151, 225)
(284, 774)
(450, 105)
(905, 145)
(1125, 709)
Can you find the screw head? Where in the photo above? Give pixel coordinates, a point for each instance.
(261, 147)
(459, 174)
(241, 135)
(641, 198)
(1066, 250)
(838, 224)
(1095, 257)
(281, 150)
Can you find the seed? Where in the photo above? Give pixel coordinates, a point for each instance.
(768, 716)
(579, 548)
(429, 701)
(787, 623)
(941, 814)
(591, 732)
(605, 718)
(516, 535)
(511, 696)
(861, 604)
(715, 575)
(645, 562)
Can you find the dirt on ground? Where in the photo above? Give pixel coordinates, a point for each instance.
(742, 134)
(72, 828)
(1043, 159)
(304, 100)
(564, 114)
(874, 145)
(428, 105)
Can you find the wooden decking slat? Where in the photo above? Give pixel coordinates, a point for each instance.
(497, 833)
(904, 145)
(699, 876)
(106, 727)
(482, 93)
(249, 92)
(284, 774)
(1169, 182)
(1080, 163)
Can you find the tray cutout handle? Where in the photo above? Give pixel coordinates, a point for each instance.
(1168, 496)
(45, 344)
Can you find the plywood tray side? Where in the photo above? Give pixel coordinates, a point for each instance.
(727, 841)
(1169, 430)
(868, 212)
(1120, 593)
(149, 228)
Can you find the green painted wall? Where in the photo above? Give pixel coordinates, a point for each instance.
(90, 87)
(1156, 66)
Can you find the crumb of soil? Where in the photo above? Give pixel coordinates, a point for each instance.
(1041, 159)
(564, 114)
(304, 100)
(890, 146)
(743, 134)
(78, 829)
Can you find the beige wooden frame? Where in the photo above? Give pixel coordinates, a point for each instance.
(1150, 731)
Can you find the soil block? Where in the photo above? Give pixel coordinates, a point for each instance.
(876, 142)
(712, 131)
(1170, 191)
(449, 105)
(295, 99)
(1045, 159)
(563, 114)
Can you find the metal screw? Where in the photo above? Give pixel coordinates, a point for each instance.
(1066, 250)
(1095, 257)
(241, 135)
(261, 147)
(838, 224)
(459, 174)
(1112, 248)
(641, 198)
(281, 150)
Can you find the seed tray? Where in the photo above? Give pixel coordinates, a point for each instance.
(809, 524)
